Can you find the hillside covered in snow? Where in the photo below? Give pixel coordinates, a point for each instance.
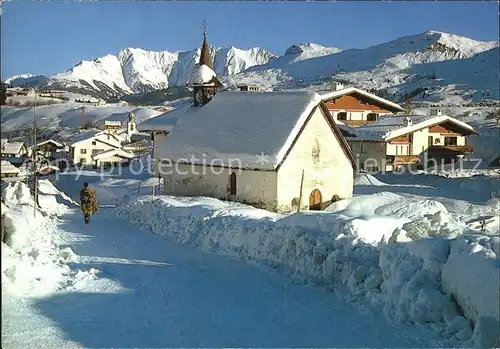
(431, 66)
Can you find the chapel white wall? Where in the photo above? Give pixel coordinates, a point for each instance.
(332, 173)
(254, 187)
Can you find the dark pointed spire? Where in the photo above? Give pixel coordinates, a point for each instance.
(205, 53)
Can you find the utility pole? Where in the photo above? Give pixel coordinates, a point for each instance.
(408, 105)
(35, 169)
(83, 115)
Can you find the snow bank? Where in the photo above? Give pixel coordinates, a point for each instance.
(472, 274)
(368, 179)
(382, 259)
(32, 265)
(388, 204)
(51, 200)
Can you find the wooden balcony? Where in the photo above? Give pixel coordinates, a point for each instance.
(459, 149)
(405, 159)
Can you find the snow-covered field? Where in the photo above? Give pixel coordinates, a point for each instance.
(408, 261)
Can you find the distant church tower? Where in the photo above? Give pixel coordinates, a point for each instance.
(203, 80)
(131, 125)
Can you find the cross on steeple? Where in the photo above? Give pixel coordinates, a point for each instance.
(205, 55)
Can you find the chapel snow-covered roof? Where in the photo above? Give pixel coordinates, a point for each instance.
(202, 75)
(256, 128)
(394, 126)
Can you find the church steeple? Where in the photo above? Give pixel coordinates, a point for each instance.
(203, 80)
(205, 53)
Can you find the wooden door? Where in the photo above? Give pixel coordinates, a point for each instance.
(315, 200)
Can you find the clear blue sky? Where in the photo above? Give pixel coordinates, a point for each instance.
(50, 37)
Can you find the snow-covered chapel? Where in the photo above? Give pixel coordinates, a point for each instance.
(274, 150)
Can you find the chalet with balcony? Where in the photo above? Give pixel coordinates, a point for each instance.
(409, 140)
(354, 107)
(49, 148)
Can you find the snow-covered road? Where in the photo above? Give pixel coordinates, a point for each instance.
(150, 292)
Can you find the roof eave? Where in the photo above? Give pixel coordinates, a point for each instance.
(393, 107)
(244, 168)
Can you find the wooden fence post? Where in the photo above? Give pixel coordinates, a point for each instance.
(300, 194)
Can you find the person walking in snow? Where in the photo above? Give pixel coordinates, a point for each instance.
(88, 202)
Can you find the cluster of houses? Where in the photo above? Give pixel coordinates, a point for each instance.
(112, 146)
(116, 143)
(290, 150)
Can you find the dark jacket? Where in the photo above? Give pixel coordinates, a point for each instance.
(88, 201)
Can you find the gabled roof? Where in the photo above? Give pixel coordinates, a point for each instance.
(82, 135)
(257, 128)
(7, 167)
(56, 143)
(350, 90)
(391, 127)
(112, 123)
(101, 136)
(113, 152)
(141, 136)
(12, 147)
(164, 122)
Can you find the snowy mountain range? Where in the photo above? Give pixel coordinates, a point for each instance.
(432, 65)
(134, 70)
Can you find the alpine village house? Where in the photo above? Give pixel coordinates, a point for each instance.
(103, 148)
(355, 107)
(275, 150)
(409, 140)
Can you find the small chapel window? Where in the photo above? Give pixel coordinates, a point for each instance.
(315, 152)
(232, 184)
